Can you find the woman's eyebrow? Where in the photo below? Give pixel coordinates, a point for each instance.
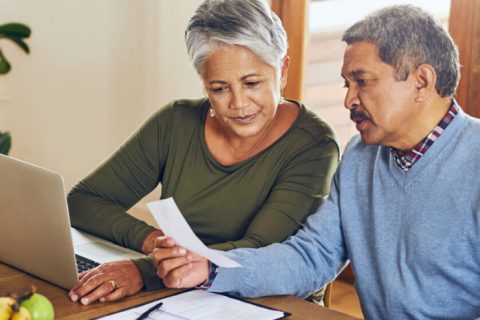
(242, 78)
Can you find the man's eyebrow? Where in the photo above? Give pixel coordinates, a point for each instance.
(357, 73)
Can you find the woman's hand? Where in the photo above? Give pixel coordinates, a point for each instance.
(149, 242)
(178, 267)
(107, 282)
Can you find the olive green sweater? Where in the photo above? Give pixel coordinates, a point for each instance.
(258, 201)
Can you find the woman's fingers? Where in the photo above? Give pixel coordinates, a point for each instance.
(149, 242)
(83, 277)
(115, 295)
(161, 254)
(108, 282)
(193, 256)
(166, 266)
(103, 289)
(164, 242)
(175, 264)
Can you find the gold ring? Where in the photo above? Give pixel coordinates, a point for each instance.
(114, 284)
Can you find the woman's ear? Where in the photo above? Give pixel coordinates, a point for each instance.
(425, 80)
(284, 72)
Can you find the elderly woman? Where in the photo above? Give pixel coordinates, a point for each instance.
(245, 166)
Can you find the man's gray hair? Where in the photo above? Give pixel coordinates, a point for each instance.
(406, 37)
(248, 23)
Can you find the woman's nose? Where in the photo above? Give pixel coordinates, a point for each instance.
(239, 99)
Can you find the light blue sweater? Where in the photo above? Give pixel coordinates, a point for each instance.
(413, 237)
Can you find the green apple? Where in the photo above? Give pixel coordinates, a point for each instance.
(39, 307)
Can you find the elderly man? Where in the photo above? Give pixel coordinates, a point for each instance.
(404, 206)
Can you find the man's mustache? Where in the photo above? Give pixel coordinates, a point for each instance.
(357, 116)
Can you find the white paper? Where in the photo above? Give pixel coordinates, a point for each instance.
(173, 224)
(200, 305)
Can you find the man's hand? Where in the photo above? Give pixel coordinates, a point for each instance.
(178, 267)
(107, 282)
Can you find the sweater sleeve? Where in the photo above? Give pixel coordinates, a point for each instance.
(299, 266)
(148, 273)
(98, 204)
(297, 193)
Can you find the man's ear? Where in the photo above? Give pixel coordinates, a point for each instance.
(425, 80)
(284, 72)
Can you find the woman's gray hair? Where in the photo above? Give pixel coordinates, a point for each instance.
(248, 23)
(406, 37)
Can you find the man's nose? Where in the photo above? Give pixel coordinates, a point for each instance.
(351, 98)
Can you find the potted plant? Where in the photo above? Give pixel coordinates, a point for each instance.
(5, 142)
(15, 32)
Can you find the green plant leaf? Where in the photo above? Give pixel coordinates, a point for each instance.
(20, 43)
(5, 142)
(4, 65)
(15, 29)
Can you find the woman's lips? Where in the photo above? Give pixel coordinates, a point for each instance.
(245, 119)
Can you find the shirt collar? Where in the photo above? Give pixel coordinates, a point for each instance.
(407, 160)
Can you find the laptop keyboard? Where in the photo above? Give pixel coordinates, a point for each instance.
(84, 264)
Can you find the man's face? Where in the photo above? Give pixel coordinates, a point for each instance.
(382, 107)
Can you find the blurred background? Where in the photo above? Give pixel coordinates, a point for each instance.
(97, 69)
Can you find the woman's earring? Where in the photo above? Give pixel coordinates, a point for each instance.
(211, 112)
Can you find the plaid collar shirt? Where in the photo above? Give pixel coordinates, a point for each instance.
(407, 160)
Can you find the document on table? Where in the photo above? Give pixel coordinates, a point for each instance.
(173, 224)
(201, 305)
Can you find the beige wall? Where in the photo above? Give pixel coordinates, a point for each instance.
(97, 69)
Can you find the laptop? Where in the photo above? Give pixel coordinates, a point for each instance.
(35, 232)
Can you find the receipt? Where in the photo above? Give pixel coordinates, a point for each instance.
(173, 224)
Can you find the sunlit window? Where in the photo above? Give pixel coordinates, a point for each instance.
(328, 19)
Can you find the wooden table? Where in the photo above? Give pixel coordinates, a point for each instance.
(16, 281)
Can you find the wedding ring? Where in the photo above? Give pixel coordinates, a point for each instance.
(114, 285)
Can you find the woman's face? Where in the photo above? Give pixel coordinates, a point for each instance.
(244, 90)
